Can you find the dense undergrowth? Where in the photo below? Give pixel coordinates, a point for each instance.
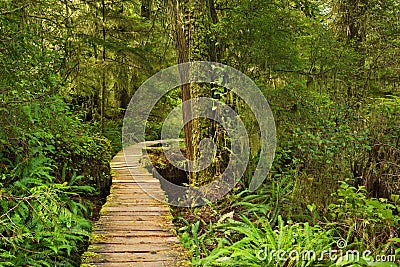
(333, 190)
(54, 168)
(245, 230)
(54, 175)
(329, 70)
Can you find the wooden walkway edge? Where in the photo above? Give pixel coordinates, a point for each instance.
(134, 229)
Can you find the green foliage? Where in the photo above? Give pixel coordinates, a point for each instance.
(50, 162)
(332, 141)
(260, 241)
(41, 221)
(50, 129)
(113, 132)
(368, 222)
(269, 201)
(159, 113)
(252, 23)
(328, 68)
(254, 240)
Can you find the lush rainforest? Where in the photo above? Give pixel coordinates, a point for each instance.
(330, 71)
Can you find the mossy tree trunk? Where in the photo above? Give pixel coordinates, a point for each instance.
(195, 41)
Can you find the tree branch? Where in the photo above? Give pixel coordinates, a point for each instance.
(12, 11)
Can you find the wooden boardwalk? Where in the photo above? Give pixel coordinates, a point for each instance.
(134, 229)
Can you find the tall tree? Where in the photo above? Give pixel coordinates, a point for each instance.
(103, 62)
(196, 41)
(182, 50)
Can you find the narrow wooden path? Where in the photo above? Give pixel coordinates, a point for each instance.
(134, 229)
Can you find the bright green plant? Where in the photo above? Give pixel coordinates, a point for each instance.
(259, 244)
(367, 222)
(41, 223)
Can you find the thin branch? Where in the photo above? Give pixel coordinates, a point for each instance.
(14, 10)
(16, 206)
(44, 18)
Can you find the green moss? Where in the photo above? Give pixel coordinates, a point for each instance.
(87, 258)
(97, 238)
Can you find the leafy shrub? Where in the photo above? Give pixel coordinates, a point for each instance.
(51, 164)
(367, 222)
(113, 132)
(254, 240)
(41, 223)
(48, 127)
(260, 243)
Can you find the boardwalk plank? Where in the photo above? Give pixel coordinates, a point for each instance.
(134, 229)
(133, 257)
(120, 218)
(134, 264)
(138, 247)
(138, 240)
(129, 234)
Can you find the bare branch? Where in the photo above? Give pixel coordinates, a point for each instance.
(12, 11)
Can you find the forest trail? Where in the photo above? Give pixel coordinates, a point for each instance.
(134, 229)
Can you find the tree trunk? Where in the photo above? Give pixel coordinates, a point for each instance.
(103, 71)
(195, 43)
(182, 50)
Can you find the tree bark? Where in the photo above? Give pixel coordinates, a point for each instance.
(103, 73)
(182, 50)
(194, 42)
